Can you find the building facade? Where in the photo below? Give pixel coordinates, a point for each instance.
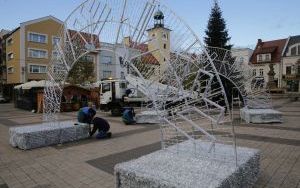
(3, 34)
(111, 63)
(291, 65)
(107, 65)
(264, 54)
(160, 36)
(243, 55)
(29, 49)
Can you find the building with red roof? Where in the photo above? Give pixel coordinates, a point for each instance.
(266, 53)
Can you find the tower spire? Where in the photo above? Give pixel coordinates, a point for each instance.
(158, 18)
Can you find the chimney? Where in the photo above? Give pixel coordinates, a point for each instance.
(259, 41)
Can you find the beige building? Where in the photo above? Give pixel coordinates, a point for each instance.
(29, 49)
(160, 36)
(264, 54)
(157, 49)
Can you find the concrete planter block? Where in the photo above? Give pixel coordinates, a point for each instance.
(166, 168)
(149, 117)
(45, 134)
(260, 115)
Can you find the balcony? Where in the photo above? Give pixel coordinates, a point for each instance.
(291, 77)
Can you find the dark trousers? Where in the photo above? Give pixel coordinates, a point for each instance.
(101, 125)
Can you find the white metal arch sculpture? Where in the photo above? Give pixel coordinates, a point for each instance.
(252, 90)
(176, 72)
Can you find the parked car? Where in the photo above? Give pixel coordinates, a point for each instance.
(3, 99)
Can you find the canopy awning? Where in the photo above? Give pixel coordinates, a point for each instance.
(33, 84)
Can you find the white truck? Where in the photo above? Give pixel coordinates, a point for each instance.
(118, 93)
(114, 93)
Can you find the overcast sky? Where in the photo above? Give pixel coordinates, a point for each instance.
(247, 20)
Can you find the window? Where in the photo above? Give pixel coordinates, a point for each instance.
(165, 46)
(9, 41)
(106, 59)
(254, 72)
(242, 60)
(267, 57)
(35, 37)
(37, 69)
(55, 40)
(35, 53)
(10, 56)
(294, 50)
(259, 57)
(87, 59)
(105, 87)
(288, 70)
(89, 46)
(55, 55)
(165, 36)
(10, 70)
(123, 85)
(106, 74)
(122, 75)
(59, 68)
(261, 72)
(292, 85)
(121, 60)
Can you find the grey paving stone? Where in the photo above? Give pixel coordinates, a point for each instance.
(108, 162)
(114, 135)
(276, 140)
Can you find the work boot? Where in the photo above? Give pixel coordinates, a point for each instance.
(108, 135)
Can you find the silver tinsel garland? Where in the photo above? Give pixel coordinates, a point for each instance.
(260, 115)
(45, 134)
(168, 168)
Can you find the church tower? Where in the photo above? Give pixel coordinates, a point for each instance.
(160, 36)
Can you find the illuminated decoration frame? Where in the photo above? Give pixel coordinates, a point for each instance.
(175, 71)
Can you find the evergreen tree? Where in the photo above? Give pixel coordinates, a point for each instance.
(216, 32)
(82, 72)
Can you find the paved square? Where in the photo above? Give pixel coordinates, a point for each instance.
(89, 163)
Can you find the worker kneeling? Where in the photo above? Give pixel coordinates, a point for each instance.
(102, 126)
(86, 115)
(128, 116)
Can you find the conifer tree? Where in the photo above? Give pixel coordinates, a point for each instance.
(216, 32)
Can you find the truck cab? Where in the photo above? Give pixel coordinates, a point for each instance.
(112, 92)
